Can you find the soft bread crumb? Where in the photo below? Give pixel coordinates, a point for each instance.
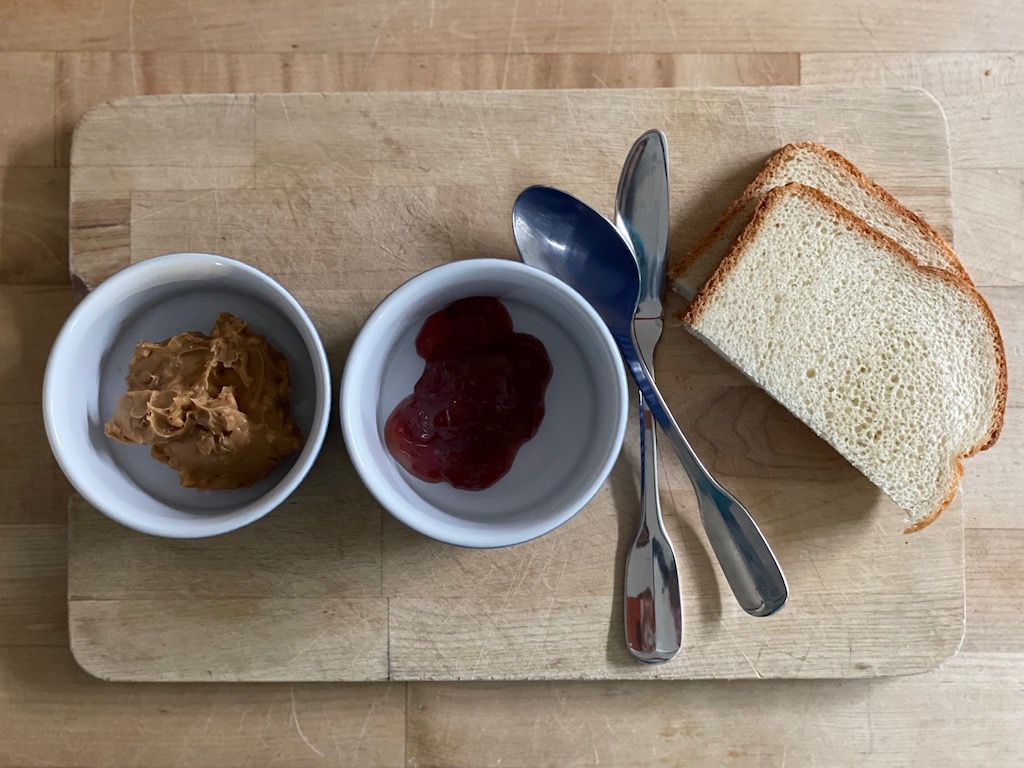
(899, 367)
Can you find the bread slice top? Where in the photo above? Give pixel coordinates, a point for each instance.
(900, 367)
(816, 166)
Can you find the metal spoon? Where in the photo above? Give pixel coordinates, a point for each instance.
(567, 238)
(653, 606)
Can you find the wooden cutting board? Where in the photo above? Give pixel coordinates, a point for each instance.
(342, 197)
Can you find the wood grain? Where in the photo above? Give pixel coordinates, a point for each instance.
(33, 579)
(991, 477)
(462, 26)
(311, 557)
(407, 154)
(33, 225)
(991, 578)
(1005, 304)
(53, 712)
(31, 483)
(295, 596)
(981, 95)
(446, 631)
(967, 712)
(223, 137)
(52, 25)
(987, 205)
(256, 639)
(28, 333)
(26, 123)
(355, 193)
(87, 79)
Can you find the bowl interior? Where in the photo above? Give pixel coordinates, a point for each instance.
(555, 472)
(167, 312)
(88, 378)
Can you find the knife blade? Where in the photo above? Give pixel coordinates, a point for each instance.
(653, 609)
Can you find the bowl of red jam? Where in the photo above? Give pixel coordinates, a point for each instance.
(483, 403)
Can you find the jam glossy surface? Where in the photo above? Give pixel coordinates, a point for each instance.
(480, 398)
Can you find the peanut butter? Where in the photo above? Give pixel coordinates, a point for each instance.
(215, 408)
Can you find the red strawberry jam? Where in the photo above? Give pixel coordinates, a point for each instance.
(480, 398)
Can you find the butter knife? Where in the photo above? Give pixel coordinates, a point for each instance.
(653, 609)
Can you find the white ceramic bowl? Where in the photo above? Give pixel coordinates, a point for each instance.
(153, 300)
(557, 472)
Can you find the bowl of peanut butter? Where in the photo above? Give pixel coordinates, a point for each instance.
(187, 396)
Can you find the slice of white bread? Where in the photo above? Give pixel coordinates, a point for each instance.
(819, 167)
(899, 367)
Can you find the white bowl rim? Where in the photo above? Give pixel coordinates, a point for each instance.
(478, 538)
(127, 281)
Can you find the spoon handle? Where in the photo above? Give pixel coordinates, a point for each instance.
(654, 614)
(747, 561)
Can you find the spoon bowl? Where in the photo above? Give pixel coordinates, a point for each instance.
(567, 238)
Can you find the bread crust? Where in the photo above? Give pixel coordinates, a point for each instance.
(931, 517)
(738, 207)
(869, 187)
(774, 197)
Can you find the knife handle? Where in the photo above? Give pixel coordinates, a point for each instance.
(654, 616)
(749, 565)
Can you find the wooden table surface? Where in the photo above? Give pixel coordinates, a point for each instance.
(59, 58)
